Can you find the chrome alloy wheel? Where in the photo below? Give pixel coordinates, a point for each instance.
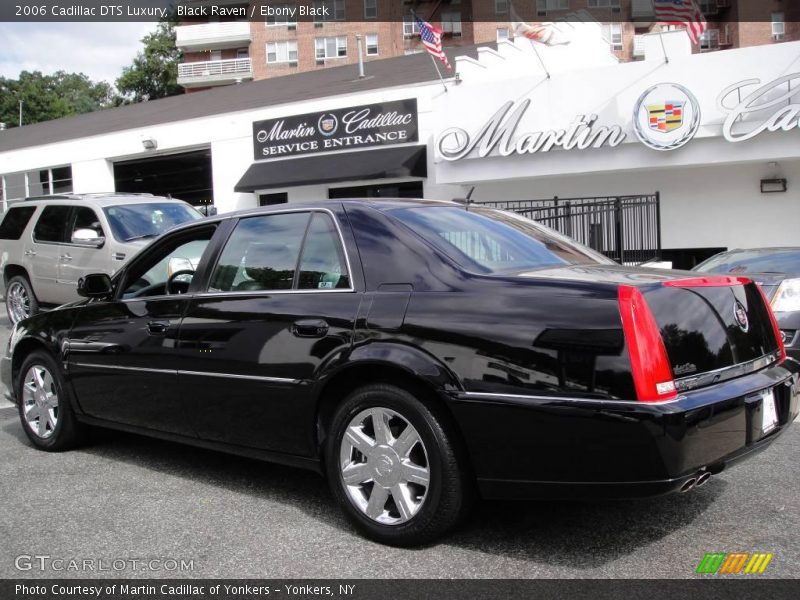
(18, 302)
(40, 401)
(384, 466)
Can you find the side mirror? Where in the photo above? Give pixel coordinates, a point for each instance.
(95, 285)
(88, 237)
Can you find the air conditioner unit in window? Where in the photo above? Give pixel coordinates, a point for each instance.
(317, 24)
(778, 37)
(292, 27)
(292, 63)
(541, 13)
(616, 9)
(320, 62)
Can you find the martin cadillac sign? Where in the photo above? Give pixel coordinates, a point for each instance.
(351, 128)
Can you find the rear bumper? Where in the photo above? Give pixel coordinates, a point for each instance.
(539, 447)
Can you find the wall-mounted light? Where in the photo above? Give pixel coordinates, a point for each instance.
(149, 143)
(772, 186)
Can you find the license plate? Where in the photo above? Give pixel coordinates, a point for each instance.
(769, 415)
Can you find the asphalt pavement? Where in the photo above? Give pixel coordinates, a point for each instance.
(129, 506)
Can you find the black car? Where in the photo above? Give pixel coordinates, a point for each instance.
(777, 271)
(417, 353)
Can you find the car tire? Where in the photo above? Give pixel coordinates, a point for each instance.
(45, 407)
(382, 490)
(21, 302)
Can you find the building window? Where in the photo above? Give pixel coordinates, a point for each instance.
(333, 10)
(282, 52)
(500, 7)
(216, 55)
(502, 34)
(372, 44)
(282, 19)
(243, 53)
(410, 27)
(709, 40)
(331, 47)
(451, 23)
(612, 33)
(41, 182)
(370, 9)
(543, 6)
(411, 51)
(603, 4)
(778, 26)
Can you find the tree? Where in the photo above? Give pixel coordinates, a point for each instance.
(47, 97)
(154, 72)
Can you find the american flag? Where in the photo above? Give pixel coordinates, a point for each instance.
(682, 12)
(432, 40)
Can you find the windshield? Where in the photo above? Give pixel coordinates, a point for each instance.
(493, 241)
(753, 261)
(148, 219)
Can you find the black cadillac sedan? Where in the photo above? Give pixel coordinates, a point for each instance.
(417, 353)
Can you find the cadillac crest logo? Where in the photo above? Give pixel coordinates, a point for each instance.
(666, 117)
(328, 124)
(740, 314)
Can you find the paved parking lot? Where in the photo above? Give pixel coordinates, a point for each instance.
(126, 497)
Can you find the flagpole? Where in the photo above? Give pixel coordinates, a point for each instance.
(663, 46)
(435, 66)
(533, 45)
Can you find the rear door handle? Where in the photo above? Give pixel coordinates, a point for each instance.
(313, 328)
(30, 252)
(158, 327)
(66, 257)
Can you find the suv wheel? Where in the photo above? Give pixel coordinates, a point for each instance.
(393, 467)
(21, 302)
(44, 408)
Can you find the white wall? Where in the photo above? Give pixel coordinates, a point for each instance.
(700, 207)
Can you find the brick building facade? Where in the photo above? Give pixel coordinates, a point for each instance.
(225, 50)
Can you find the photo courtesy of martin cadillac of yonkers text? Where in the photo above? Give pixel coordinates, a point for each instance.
(490, 295)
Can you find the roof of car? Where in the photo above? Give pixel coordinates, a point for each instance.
(765, 250)
(103, 199)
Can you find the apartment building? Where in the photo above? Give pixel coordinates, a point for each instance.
(228, 48)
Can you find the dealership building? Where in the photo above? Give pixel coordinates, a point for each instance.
(709, 143)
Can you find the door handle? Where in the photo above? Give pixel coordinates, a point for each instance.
(313, 328)
(66, 257)
(158, 327)
(30, 252)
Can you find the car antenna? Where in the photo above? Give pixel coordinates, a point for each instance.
(466, 201)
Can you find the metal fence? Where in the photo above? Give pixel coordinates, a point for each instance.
(627, 229)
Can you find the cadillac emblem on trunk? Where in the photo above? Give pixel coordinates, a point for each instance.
(740, 314)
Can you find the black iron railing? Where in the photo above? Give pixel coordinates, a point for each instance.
(624, 228)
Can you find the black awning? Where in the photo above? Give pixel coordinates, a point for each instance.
(407, 161)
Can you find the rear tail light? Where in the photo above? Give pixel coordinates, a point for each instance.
(707, 281)
(775, 329)
(652, 373)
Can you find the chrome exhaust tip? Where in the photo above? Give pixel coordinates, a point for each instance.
(703, 479)
(690, 483)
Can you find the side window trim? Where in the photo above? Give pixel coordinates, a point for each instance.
(207, 293)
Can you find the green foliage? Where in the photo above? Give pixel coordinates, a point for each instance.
(154, 72)
(47, 97)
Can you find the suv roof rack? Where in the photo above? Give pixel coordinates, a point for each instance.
(89, 195)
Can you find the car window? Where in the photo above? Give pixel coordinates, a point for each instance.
(148, 277)
(130, 222)
(52, 224)
(85, 225)
(753, 261)
(261, 254)
(493, 241)
(322, 263)
(15, 222)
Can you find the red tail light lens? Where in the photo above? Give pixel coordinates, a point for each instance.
(652, 373)
(708, 281)
(776, 330)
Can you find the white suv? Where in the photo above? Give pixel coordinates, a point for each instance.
(48, 243)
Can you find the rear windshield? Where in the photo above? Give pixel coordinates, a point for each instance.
(15, 221)
(493, 241)
(148, 219)
(753, 261)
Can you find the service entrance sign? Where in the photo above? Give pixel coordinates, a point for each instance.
(381, 124)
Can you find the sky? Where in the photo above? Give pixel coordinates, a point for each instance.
(99, 50)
